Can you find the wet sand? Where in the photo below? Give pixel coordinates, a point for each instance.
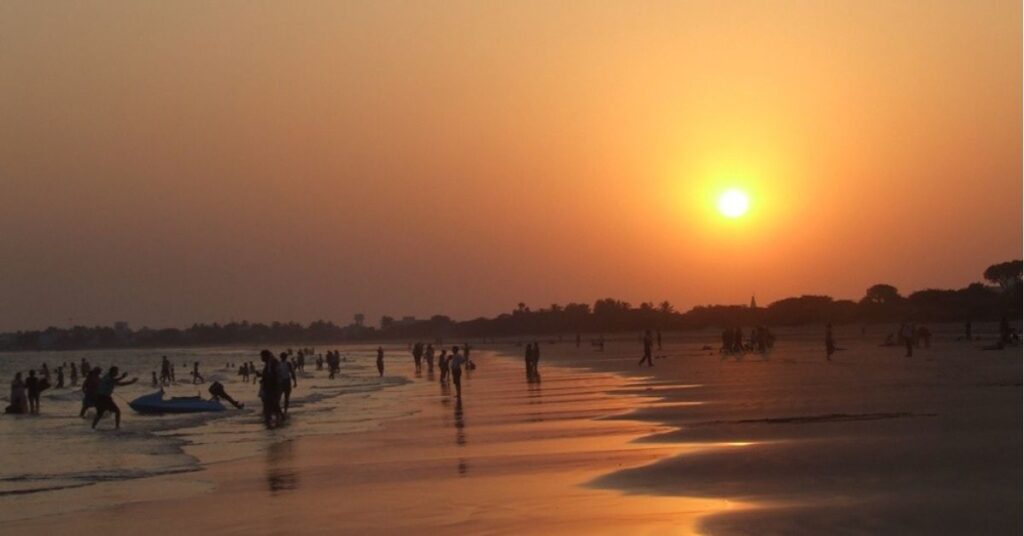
(513, 458)
(788, 443)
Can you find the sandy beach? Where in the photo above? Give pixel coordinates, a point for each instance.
(872, 442)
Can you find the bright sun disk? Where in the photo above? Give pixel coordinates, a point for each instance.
(733, 203)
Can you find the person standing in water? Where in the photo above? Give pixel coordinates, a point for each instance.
(74, 374)
(455, 365)
(442, 363)
(380, 361)
(196, 376)
(648, 343)
(429, 357)
(269, 393)
(830, 342)
(19, 402)
(34, 386)
(286, 379)
(105, 396)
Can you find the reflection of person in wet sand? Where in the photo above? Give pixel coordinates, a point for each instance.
(281, 473)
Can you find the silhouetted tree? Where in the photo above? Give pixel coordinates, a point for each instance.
(881, 294)
(1005, 274)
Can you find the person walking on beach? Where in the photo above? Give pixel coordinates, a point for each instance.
(380, 361)
(60, 377)
(165, 371)
(830, 342)
(196, 376)
(417, 355)
(74, 374)
(105, 396)
(455, 365)
(647, 350)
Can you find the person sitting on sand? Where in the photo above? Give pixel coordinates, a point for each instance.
(218, 392)
(105, 396)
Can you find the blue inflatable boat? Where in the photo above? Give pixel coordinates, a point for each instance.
(156, 403)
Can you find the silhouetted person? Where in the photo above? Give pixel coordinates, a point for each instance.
(1005, 331)
(442, 363)
(165, 371)
(218, 392)
(830, 342)
(19, 400)
(286, 380)
(428, 356)
(380, 361)
(455, 366)
(907, 331)
(647, 350)
(90, 387)
(34, 386)
(417, 355)
(74, 374)
(196, 376)
(105, 396)
(155, 382)
(270, 394)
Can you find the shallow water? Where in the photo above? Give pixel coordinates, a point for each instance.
(48, 455)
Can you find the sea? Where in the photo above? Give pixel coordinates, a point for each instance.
(55, 461)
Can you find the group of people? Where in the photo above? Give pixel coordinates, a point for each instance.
(276, 382)
(451, 365)
(761, 340)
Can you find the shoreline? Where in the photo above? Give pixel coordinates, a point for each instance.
(502, 447)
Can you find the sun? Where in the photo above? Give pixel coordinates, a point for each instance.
(733, 203)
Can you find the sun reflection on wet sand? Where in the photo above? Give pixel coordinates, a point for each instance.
(514, 456)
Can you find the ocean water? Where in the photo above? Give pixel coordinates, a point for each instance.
(54, 461)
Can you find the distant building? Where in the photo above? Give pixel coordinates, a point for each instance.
(360, 319)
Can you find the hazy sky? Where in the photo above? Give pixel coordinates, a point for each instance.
(171, 162)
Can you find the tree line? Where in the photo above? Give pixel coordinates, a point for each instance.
(881, 303)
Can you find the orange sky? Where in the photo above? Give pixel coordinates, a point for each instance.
(172, 162)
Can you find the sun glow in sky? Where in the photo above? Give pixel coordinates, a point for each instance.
(166, 163)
